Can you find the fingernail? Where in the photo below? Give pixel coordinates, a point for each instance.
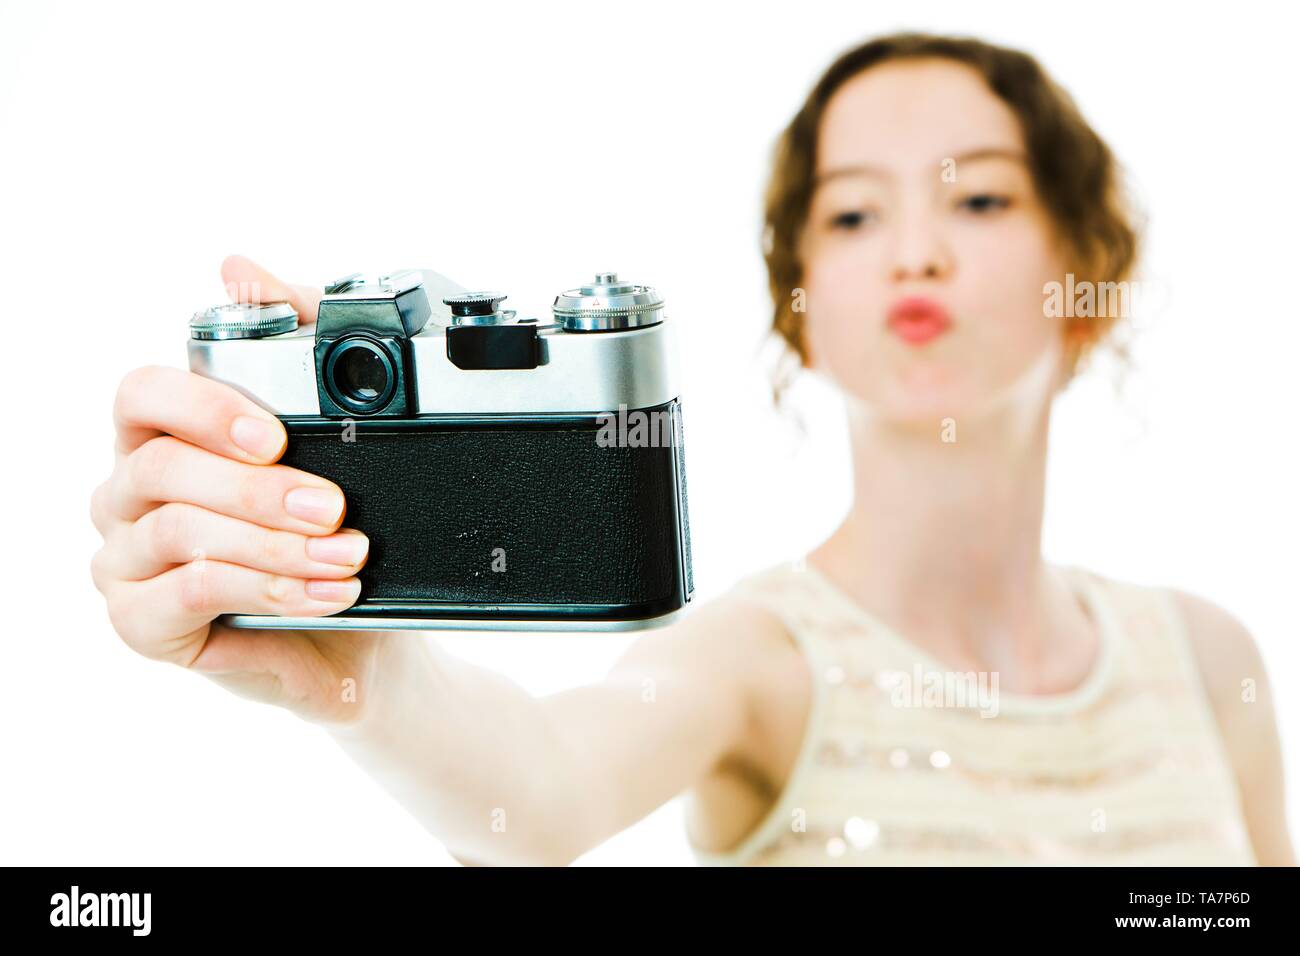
(334, 592)
(320, 506)
(345, 549)
(259, 438)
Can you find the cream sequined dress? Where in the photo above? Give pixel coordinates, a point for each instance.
(903, 762)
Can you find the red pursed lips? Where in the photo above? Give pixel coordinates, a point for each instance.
(917, 320)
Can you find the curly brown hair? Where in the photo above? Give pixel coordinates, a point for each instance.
(1074, 172)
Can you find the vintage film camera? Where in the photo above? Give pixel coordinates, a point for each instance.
(510, 474)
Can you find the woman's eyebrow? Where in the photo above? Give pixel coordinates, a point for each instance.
(990, 152)
(969, 156)
(857, 170)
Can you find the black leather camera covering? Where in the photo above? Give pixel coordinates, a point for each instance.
(593, 529)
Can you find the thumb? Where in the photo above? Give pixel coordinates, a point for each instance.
(246, 281)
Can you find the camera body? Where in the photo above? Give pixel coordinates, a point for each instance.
(511, 474)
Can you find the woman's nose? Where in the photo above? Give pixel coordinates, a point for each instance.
(919, 250)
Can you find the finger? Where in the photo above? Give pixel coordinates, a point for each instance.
(246, 281)
(154, 400)
(161, 616)
(101, 509)
(273, 496)
(176, 532)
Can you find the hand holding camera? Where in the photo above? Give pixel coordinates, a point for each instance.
(199, 520)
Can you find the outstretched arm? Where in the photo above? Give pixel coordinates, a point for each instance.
(502, 777)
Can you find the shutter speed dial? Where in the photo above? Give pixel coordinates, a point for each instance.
(608, 304)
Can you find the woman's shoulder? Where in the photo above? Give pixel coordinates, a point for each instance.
(1170, 630)
(777, 587)
(762, 612)
(749, 614)
(784, 598)
(1223, 661)
(755, 606)
(1225, 652)
(1213, 635)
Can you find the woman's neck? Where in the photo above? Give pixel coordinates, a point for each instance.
(943, 541)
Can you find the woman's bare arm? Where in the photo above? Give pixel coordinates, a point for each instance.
(503, 777)
(1227, 656)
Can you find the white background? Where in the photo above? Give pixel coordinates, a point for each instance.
(525, 147)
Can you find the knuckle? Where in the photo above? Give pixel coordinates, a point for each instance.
(198, 594)
(99, 562)
(167, 532)
(99, 507)
(252, 493)
(119, 617)
(270, 549)
(150, 464)
(134, 387)
(277, 590)
(123, 615)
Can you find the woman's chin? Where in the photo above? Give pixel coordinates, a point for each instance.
(929, 409)
(925, 400)
(928, 396)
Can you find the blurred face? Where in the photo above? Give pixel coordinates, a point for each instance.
(926, 248)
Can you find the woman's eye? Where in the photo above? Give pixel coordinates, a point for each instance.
(984, 202)
(851, 220)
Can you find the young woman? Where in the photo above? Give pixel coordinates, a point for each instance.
(921, 200)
